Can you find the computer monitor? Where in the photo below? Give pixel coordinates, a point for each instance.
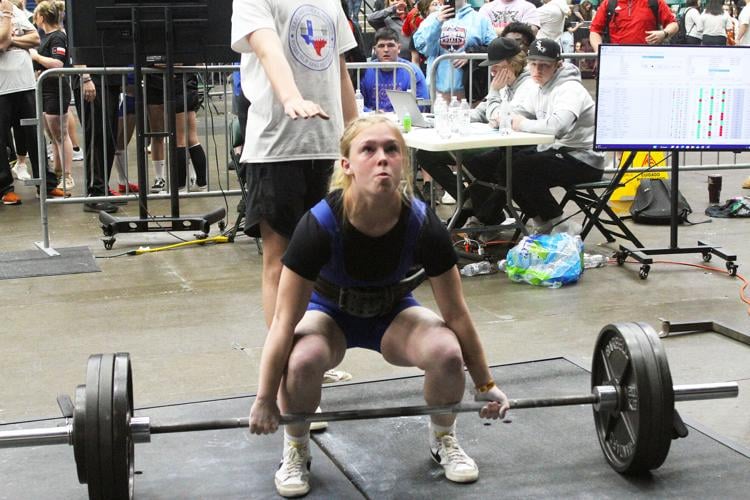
(101, 34)
(679, 98)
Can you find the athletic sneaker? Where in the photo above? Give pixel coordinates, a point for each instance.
(458, 466)
(293, 477)
(77, 154)
(447, 199)
(21, 171)
(333, 376)
(159, 185)
(11, 198)
(122, 188)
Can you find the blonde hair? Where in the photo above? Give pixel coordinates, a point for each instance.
(18, 3)
(343, 182)
(52, 11)
(518, 62)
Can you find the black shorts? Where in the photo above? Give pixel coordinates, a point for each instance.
(280, 193)
(155, 92)
(51, 100)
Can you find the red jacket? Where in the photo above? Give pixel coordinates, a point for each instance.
(412, 22)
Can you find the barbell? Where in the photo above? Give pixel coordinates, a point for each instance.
(631, 393)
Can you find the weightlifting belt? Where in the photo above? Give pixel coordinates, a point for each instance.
(369, 302)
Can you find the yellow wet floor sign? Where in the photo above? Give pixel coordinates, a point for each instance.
(633, 179)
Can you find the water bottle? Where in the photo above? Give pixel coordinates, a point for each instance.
(442, 124)
(475, 268)
(594, 260)
(406, 122)
(360, 100)
(454, 115)
(465, 114)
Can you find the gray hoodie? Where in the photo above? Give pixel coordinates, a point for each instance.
(500, 100)
(562, 107)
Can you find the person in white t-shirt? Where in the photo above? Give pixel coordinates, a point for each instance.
(552, 19)
(714, 23)
(743, 34)
(503, 12)
(294, 73)
(17, 102)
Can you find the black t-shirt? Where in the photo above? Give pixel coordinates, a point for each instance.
(367, 258)
(54, 45)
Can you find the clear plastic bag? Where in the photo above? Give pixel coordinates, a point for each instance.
(550, 260)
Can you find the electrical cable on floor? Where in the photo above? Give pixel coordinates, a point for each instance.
(143, 250)
(743, 295)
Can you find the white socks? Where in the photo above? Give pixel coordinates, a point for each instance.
(438, 431)
(297, 442)
(159, 168)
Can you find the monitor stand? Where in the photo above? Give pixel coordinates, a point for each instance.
(146, 222)
(643, 255)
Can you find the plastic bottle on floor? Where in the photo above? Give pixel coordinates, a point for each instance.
(594, 260)
(475, 268)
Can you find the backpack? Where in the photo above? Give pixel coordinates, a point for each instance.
(612, 5)
(680, 38)
(653, 203)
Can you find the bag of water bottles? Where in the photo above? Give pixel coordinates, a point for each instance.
(550, 260)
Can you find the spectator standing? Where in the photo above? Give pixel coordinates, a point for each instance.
(552, 19)
(503, 12)
(743, 33)
(375, 82)
(17, 102)
(451, 31)
(393, 17)
(584, 11)
(715, 23)
(414, 18)
(633, 22)
(53, 53)
(291, 139)
(693, 26)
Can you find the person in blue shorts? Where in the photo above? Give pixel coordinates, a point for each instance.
(346, 282)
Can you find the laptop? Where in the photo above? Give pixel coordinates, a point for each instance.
(405, 102)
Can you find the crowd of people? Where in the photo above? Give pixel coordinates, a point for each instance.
(34, 41)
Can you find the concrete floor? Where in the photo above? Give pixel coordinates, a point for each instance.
(192, 319)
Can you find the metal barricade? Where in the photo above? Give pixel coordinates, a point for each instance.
(209, 139)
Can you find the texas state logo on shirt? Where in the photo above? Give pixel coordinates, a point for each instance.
(312, 37)
(452, 37)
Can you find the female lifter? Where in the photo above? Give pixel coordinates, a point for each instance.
(367, 233)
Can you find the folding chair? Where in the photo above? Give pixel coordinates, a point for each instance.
(593, 200)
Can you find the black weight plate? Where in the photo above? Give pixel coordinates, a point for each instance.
(106, 444)
(662, 388)
(79, 432)
(122, 409)
(636, 436)
(93, 472)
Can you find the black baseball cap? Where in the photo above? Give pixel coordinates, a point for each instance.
(499, 50)
(544, 49)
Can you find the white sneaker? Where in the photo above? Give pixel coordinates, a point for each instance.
(159, 185)
(78, 155)
(447, 199)
(293, 477)
(318, 426)
(458, 466)
(21, 172)
(333, 376)
(69, 182)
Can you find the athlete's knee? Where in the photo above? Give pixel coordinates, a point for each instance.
(306, 365)
(443, 352)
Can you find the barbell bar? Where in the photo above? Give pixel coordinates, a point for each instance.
(632, 397)
(141, 428)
